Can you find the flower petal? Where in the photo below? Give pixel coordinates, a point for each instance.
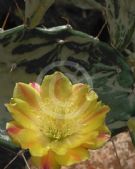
(27, 139)
(13, 129)
(80, 138)
(82, 99)
(46, 162)
(57, 87)
(59, 147)
(100, 139)
(96, 119)
(36, 86)
(27, 93)
(22, 113)
(73, 156)
(79, 93)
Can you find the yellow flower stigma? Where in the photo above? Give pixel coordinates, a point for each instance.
(57, 121)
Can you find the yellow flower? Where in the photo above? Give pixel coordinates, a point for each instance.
(58, 122)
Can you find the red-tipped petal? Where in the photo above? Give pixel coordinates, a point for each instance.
(46, 162)
(36, 86)
(27, 93)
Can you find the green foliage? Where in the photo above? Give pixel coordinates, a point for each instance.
(83, 4)
(131, 126)
(35, 10)
(121, 20)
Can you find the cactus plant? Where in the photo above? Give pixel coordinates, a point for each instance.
(29, 54)
(83, 4)
(121, 20)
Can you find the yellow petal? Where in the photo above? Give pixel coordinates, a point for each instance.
(73, 156)
(81, 100)
(22, 113)
(90, 140)
(89, 108)
(59, 147)
(27, 139)
(27, 93)
(57, 87)
(95, 119)
(30, 140)
(79, 139)
(79, 94)
(13, 129)
(100, 139)
(46, 162)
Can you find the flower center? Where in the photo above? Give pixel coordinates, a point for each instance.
(56, 129)
(57, 134)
